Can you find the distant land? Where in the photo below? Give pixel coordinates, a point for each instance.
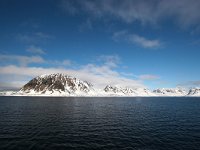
(64, 85)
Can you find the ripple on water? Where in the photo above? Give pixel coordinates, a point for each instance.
(99, 123)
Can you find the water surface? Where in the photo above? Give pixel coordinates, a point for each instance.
(99, 123)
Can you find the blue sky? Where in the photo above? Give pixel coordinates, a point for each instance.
(138, 43)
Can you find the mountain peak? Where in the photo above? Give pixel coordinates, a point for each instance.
(58, 82)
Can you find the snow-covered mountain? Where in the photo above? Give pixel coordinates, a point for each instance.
(170, 92)
(194, 92)
(114, 90)
(64, 85)
(56, 84)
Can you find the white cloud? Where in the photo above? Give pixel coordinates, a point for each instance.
(100, 76)
(21, 60)
(119, 34)
(146, 43)
(61, 63)
(110, 60)
(184, 12)
(36, 50)
(128, 74)
(125, 10)
(148, 77)
(136, 39)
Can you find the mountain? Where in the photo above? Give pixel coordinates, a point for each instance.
(64, 85)
(56, 84)
(194, 92)
(114, 90)
(170, 92)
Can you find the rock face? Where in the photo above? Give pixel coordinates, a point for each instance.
(170, 92)
(56, 83)
(194, 92)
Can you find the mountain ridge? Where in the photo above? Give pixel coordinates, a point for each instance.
(64, 85)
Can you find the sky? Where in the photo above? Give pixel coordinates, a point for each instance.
(135, 43)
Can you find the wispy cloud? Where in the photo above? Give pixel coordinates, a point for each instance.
(33, 38)
(149, 77)
(21, 60)
(35, 50)
(119, 35)
(190, 84)
(184, 12)
(43, 35)
(109, 60)
(142, 41)
(60, 63)
(136, 39)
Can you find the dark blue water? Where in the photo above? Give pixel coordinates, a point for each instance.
(99, 123)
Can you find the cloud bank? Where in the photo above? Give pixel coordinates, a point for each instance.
(100, 76)
(105, 73)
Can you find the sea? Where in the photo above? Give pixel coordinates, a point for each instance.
(78, 123)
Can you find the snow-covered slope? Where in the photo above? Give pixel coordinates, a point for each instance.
(114, 90)
(64, 85)
(56, 84)
(170, 92)
(194, 92)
